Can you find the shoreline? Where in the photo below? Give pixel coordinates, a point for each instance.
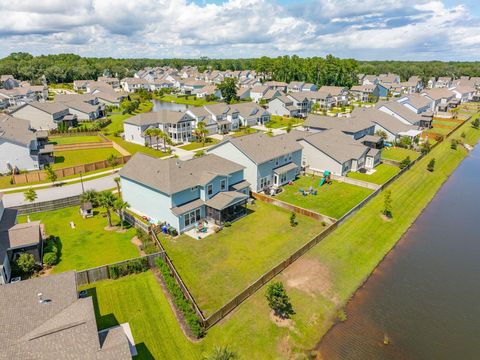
(316, 349)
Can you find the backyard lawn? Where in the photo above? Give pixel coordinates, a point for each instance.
(221, 265)
(118, 118)
(134, 148)
(68, 140)
(69, 158)
(192, 100)
(277, 122)
(382, 173)
(88, 245)
(198, 145)
(398, 154)
(332, 200)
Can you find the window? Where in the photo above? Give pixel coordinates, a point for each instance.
(285, 158)
(223, 184)
(276, 162)
(192, 217)
(283, 178)
(264, 182)
(210, 189)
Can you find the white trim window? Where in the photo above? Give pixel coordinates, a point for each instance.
(209, 189)
(223, 184)
(191, 217)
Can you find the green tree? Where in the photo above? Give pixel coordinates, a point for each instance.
(293, 219)
(453, 144)
(51, 174)
(228, 88)
(222, 353)
(279, 301)
(201, 132)
(425, 148)
(26, 263)
(121, 206)
(112, 161)
(107, 200)
(405, 162)
(150, 132)
(476, 123)
(117, 183)
(431, 165)
(387, 204)
(289, 127)
(381, 134)
(91, 196)
(30, 195)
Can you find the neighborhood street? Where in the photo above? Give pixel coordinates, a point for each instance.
(59, 192)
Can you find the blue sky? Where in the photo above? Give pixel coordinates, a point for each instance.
(367, 29)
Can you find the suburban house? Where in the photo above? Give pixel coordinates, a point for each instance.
(389, 79)
(406, 114)
(296, 86)
(355, 127)
(363, 93)
(244, 93)
(16, 239)
(338, 93)
(44, 318)
(176, 124)
(8, 82)
(134, 84)
(393, 127)
(16, 96)
(443, 98)
(22, 148)
(324, 99)
(277, 85)
(184, 193)
(45, 115)
(81, 85)
(107, 95)
(417, 103)
(443, 82)
(268, 161)
(85, 106)
(464, 93)
(259, 93)
(334, 151)
(208, 90)
(381, 90)
(283, 106)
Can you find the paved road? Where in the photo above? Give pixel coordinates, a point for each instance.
(53, 193)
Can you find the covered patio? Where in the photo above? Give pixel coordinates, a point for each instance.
(226, 206)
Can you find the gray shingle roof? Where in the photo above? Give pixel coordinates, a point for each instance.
(16, 130)
(159, 117)
(347, 124)
(383, 119)
(172, 175)
(260, 147)
(226, 198)
(404, 112)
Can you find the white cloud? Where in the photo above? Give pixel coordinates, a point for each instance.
(240, 28)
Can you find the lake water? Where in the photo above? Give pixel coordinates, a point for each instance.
(159, 105)
(426, 294)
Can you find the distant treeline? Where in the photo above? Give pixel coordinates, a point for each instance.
(66, 68)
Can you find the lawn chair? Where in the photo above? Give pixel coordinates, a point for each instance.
(314, 192)
(301, 191)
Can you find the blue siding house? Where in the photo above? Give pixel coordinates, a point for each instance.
(183, 194)
(380, 91)
(269, 162)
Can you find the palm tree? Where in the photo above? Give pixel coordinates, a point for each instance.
(222, 353)
(30, 195)
(90, 196)
(121, 206)
(117, 182)
(150, 132)
(201, 132)
(107, 200)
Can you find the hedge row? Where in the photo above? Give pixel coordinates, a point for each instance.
(132, 267)
(179, 299)
(51, 251)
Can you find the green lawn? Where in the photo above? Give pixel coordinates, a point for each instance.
(68, 140)
(398, 154)
(382, 173)
(332, 271)
(198, 145)
(118, 118)
(445, 122)
(332, 200)
(88, 245)
(134, 148)
(220, 266)
(277, 122)
(192, 100)
(69, 158)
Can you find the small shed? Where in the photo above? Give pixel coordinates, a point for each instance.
(86, 210)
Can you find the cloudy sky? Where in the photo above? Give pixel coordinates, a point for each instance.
(366, 29)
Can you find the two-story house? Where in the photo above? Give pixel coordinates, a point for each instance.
(45, 115)
(184, 193)
(268, 161)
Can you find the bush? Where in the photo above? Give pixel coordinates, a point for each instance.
(293, 219)
(476, 123)
(405, 162)
(279, 301)
(431, 165)
(227, 224)
(50, 258)
(26, 263)
(453, 144)
(179, 299)
(135, 266)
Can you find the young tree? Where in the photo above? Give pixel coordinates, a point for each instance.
(279, 301)
(293, 219)
(453, 144)
(387, 204)
(90, 196)
(431, 165)
(107, 200)
(30, 195)
(26, 263)
(201, 132)
(149, 133)
(289, 127)
(228, 88)
(112, 161)
(222, 353)
(405, 162)
(51, 174)
(121, 206)
(476, 123)
(425, 149)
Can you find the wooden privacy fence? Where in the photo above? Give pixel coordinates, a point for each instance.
(135, 222)
(290, 207)
(38, 176)
(48, 205)
(83, 146)
(88, 276)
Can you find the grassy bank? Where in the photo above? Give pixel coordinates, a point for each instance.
(192, 100)
(318, 283)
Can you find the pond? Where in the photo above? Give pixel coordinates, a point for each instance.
(160, 105)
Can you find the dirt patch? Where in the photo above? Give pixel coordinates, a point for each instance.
(138, 243)
(310, 276)
(45, 271)
(385, 217)
(280, 322)
(284, 348)
(110, 228)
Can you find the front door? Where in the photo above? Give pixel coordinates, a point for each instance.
(275, 179)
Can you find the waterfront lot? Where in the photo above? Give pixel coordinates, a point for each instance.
(333, 200)
(398, 154)
(88, 245)
(69, 158)
(221, 265)
(382, 173)
(134, 148)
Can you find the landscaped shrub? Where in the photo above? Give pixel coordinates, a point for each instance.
(405, 162)
(453, 144)
(135, 266)
(50, 258)
(179, 299)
